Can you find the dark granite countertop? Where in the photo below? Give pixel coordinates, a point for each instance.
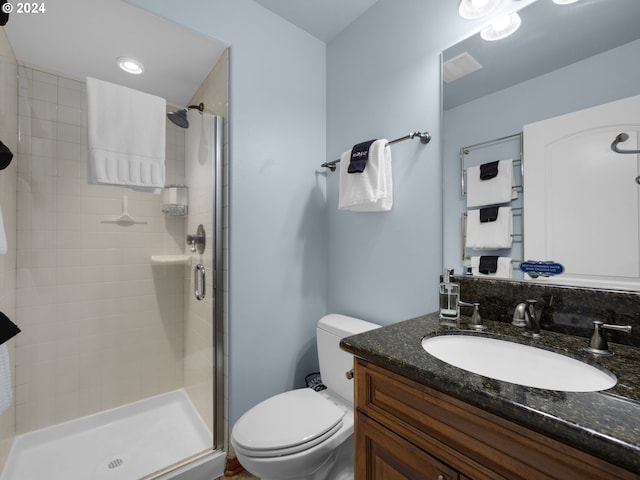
(605, 424)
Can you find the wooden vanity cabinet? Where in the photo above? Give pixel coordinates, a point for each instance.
(406, 430)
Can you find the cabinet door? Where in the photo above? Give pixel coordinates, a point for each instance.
(383, 455)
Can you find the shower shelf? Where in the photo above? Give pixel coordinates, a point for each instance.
(170, 259)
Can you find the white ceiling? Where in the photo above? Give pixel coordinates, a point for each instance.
(323, 19)
(80, 38)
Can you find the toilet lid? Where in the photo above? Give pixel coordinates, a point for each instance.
(287, 423)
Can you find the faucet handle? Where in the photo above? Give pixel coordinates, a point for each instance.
(598, 343)
(476, 320)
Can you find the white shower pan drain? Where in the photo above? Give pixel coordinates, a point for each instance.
(155, 433)
(114, 463)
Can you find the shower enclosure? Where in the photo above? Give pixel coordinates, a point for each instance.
(119, 369)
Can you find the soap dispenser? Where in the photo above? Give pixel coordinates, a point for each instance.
(449, 298)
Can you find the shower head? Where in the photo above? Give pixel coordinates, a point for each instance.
(180, 117)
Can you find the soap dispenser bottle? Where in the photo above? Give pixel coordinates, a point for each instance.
(449, 298)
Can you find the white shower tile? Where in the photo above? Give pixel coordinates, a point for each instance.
(40, 110)
(47, 92)
(69, 133)
(40, 76)
(70, 97)
(68, 151)
(70, 115)
(44, 129)
(43, 147)
(24, 127)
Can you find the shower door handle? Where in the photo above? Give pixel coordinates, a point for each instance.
(199, 281)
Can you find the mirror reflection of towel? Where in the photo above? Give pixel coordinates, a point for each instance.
(504, 267)
(489, 214)
(488, 264)
(488, 170)
(494, 191)
(489, 235)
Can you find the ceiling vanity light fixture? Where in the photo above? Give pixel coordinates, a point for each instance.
(130, 65)
(501, 27)
(471, 9)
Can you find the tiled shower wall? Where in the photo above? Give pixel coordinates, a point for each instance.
(101, 325)
(9, 136)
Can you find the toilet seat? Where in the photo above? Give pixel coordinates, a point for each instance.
(287, 423)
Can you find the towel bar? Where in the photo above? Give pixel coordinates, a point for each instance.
(425, 137)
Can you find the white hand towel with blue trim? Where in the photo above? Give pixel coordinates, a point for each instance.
(502, 268)
(126, 136)
(490, 188)
(369, 189)
(489, 228)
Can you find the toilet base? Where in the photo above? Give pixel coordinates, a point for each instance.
(338, 466)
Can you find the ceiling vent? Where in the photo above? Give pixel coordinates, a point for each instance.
(459, 66)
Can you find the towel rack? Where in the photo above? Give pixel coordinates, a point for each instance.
(425, 137)
(622, 137)
(464, 151)
(517, 237)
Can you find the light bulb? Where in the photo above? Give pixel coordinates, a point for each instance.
(477, 8)
(501, 27)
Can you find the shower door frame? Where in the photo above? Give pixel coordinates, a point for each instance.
(218, 287)
(218, 344)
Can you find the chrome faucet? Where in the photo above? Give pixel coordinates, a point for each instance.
(525, 316)
(598, 343)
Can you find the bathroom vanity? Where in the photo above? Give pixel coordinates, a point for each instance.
(419, 417)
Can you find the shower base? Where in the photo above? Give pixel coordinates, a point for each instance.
(124, 443)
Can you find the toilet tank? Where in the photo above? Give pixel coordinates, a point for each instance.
(335, 362)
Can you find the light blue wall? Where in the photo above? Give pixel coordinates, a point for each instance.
(383, 81)
(603, 78)
(295, 103)
(278, 264)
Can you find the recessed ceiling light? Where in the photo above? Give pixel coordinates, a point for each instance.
(130, 65)
(477, 8)
(501, 27)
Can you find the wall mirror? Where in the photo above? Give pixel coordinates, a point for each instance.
(564, 58)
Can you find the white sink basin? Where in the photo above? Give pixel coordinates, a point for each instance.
(518, 363)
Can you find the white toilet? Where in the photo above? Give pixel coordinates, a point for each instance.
(303, 434)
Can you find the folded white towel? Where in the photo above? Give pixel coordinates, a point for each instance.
(504, 268)
(493, 191)
(6, 391)
(489, 235)
(126, 136)
(3, 237)
(372, 189)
